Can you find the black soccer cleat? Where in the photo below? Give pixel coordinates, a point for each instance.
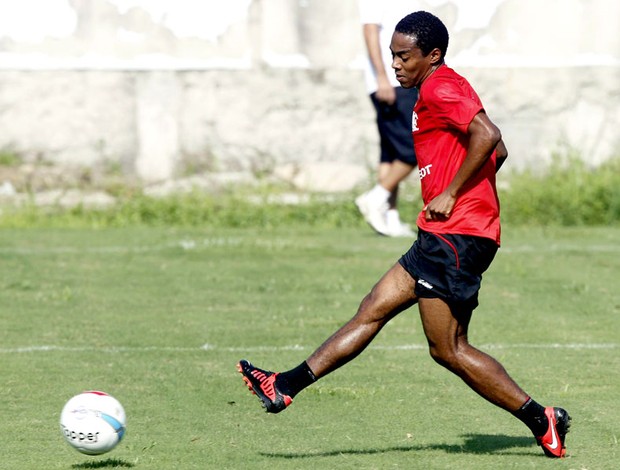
(552, 442)
(262, 383)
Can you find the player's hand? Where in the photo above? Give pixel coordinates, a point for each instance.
(440, 208)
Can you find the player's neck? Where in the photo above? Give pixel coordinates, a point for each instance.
(430, 73)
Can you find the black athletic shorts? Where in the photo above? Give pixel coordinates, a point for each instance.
(394, 125)
(449, 267)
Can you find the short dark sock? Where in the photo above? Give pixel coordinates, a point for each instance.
(533, 416)
(295, 380)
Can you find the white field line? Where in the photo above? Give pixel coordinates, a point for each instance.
(185, 244)
(238, 349)
(558, 248)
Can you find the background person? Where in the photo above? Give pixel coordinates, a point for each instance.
(393, 106)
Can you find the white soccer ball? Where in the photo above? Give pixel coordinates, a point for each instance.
(93, 422)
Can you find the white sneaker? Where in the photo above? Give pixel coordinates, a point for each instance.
(374, 213)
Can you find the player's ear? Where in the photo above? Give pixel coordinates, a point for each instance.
(435, 56)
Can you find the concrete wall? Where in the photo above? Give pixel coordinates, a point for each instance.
(170, 87)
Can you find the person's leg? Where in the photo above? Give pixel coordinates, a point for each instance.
(390, 296)
(392, 174)
(446, 332)
(447, 339)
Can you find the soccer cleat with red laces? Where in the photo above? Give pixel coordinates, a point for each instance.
(262, 383)
(552, 442)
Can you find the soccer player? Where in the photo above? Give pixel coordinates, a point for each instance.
(459, 150)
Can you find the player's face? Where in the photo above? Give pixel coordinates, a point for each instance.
(409, 64)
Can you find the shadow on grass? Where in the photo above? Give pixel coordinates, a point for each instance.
(474, 444)
(107, 463)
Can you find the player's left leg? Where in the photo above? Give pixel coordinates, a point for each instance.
(447, 339)
(446, 332)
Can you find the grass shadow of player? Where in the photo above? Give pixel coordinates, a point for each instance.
(107, 463)
(473, 444)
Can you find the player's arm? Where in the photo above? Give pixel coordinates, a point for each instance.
(484, 137)
(501, 153)
(385, 90)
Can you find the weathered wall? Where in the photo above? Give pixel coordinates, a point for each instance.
(169, 87)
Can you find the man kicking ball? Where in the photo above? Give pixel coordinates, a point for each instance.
(460, 150)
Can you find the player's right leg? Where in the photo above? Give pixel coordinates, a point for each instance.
(263, 384)
(390, 296)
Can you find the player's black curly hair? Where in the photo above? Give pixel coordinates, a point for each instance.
(428, 30)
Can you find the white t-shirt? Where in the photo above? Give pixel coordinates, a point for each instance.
(385, 13)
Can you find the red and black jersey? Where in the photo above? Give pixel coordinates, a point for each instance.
(442, 114)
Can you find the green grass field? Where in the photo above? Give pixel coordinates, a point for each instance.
(159, 317)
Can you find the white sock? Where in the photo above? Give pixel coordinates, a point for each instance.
(379, 193)
(393, 218)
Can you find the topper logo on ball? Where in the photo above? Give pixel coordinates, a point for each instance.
(80, 436)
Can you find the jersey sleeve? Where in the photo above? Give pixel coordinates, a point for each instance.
(452, 106)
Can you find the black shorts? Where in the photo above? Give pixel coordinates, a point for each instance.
(449, 267)
(394, 125)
